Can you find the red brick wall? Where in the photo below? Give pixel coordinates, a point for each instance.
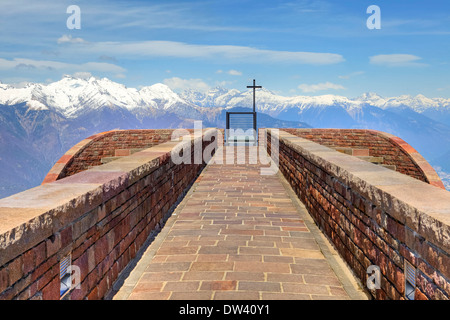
(394, 150)
(91, 151)
(103, 228)
(378, 230)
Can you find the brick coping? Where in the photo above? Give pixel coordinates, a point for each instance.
(423, 207)
(426, 170)
(58, 169)
(216, 282)
(28, 217)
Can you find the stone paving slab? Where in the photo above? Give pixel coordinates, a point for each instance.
(237, 235)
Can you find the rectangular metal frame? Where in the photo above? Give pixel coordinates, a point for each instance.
(228, 124)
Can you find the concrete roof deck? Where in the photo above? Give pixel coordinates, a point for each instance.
(239, 235)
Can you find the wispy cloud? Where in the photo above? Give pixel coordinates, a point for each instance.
(397, 60)
(351, 75)
(82, 75)
(68, 39)
(6, 64)
(175, 15)
(178, 84)
(234, 73)
(309, 88)
(230, 72)
(444, 88)
(214, 52)
(304, 6)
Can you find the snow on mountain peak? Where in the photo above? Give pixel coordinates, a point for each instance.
(161, 92)
(76, 94)
(160, 89)
(36, 105)
(369, 96)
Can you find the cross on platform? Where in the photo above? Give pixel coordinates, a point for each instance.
(254, 86)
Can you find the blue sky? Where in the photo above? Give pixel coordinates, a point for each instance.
(305, 47)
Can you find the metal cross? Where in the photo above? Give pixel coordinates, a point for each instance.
(254, 86)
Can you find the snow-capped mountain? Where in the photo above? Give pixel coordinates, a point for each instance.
(423, 122)
(72, 97)
(217, 97)
(40, 122)
(279, 106)
(418, 103)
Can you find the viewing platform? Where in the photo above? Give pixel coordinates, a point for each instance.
(165, 214)
(239, 235)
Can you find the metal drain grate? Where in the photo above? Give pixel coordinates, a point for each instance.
(410, 281)
(65, 275)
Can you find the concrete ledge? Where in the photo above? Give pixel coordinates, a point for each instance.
(428, 171)
(101, 215)
(396, 153)
(373, 215)
(90, 152)
(409, 200)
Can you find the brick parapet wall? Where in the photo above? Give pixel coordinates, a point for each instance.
(394, 150)
(90, 151)
(373, 216)
(101, 216)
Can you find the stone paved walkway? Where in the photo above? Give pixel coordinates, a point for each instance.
(237, 235)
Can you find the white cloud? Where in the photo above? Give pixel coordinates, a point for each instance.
(214, 52)
(56, 65)
(178, 84)
(102, 67)
(230, 72)
(397, 60)
(82, 75)
(234, 73)
(320, 87)
(443, 88)
(223, 84)
(68, 39)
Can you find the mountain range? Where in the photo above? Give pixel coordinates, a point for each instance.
(422, 122)
(40, 122)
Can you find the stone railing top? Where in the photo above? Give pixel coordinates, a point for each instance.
(422, 207)
(58, 170)
(422, 165)
(33, 215)
(431, 175)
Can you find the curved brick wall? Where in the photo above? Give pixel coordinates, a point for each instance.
(90, 151)
(392, 149)
(102, 216)
(373, 216)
